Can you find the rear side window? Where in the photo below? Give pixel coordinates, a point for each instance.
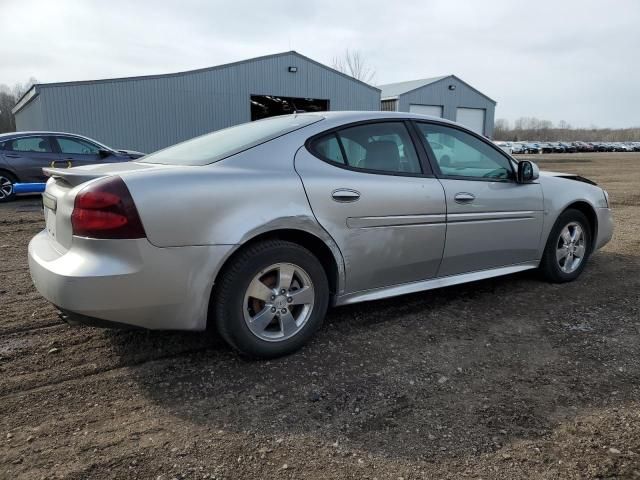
(30, 144)
(329, 148)
(215, 146)
(378, 147)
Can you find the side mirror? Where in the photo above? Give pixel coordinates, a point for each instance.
(104, 153)
(527, 171)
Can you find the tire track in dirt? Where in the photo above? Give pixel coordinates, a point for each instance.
(97, 372)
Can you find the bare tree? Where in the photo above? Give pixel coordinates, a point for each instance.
(7, 101)
(352, 63)
(9, 96)
(20, 89)
(531, 128)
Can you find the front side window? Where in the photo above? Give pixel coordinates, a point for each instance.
(77, 146)
(382, 147)
(30, 144)
(460, 154)
(221, 144)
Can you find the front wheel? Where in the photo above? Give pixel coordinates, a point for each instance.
(7, 191)
(568, 247)
(271, 299)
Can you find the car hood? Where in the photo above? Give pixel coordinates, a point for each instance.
(568, 176)
(131, 153)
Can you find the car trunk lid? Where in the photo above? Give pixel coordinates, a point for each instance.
(63, 186)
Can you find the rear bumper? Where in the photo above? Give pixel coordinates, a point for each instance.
(128, 282)
(605, 227)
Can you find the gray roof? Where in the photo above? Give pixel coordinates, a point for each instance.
(394, 90)
(34, 90)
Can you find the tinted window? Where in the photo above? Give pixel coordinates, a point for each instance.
(76, 146)
(383, 147)
(329, 148)
(460, 154)
(30, 144)
(224, 143)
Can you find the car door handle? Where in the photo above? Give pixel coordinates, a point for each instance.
(464, 197)
(11, 155)
(68, 162)
(345, 195)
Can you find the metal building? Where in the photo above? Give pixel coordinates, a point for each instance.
(151, 112)
(447, 97)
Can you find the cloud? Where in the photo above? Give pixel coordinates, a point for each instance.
(571, 60)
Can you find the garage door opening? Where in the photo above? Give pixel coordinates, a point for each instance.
(264, 106)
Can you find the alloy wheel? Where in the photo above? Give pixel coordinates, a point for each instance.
(571, 247)
(6, 187)
(278, 302)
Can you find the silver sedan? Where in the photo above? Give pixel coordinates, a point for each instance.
(259, 228)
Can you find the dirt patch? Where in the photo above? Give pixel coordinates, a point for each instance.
(505, 378)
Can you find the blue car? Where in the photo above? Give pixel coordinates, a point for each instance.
(23, 155)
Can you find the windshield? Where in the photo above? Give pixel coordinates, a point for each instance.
(223, 143)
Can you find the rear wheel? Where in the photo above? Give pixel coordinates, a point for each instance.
(7, 191)
(271, 299)
(568, 247)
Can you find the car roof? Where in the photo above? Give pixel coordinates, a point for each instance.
(354, 115)
(4, 136)
(339, 118)
(31, 133)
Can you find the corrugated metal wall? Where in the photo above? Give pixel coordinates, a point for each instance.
(147, 114)
(31, 116)
(439, 94)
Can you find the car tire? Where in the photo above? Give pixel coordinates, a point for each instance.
(7, 181)
(246, 320)
(561, 254)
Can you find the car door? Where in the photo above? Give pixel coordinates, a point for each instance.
(492, 221)
(375, 195)
(28, 155)
(77, 152)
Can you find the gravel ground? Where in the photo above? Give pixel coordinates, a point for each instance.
(504, 378)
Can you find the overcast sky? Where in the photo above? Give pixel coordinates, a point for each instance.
(572, 60)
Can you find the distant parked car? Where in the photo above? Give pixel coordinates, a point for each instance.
(624, 147)
(599, 147)
(23, 155)
(583, 146)
(568, 147)
(530, 148)
(545, 147)
(505, 146)
(517, 148)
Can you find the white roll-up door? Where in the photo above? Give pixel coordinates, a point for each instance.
(433, 110)
(472, 118)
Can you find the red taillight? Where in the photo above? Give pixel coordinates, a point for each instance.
(105, 209)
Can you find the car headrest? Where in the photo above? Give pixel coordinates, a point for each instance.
(382, 155)
(42, 145)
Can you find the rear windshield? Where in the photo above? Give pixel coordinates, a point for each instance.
(221, 144)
